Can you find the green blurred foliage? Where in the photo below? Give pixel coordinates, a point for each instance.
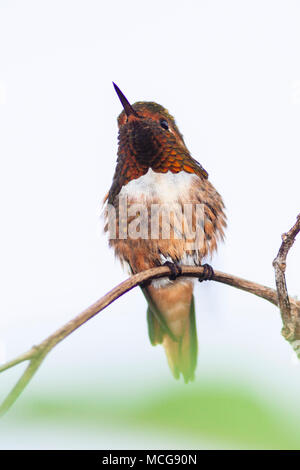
(227, 414)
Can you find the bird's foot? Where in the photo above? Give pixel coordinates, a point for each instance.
(208, 273)
(145, 284)
(174, 268)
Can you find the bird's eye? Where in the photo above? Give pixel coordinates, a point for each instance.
(164, 124)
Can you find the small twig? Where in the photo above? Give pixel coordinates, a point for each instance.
(290, 317)
(290, 314)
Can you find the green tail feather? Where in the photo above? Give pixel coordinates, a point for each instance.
(157, 329)
(154, 328)
(156, 319)
(193, 344)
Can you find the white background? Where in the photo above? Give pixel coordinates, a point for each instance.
(230, 74)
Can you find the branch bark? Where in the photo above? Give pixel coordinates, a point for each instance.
(289, 308)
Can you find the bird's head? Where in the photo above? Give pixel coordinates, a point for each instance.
(149, 138)
(147, 131)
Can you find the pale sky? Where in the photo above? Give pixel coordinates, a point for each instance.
(230, 74)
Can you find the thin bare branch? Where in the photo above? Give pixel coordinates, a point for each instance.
(289, 314)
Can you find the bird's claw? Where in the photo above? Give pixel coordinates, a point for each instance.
(174, 268)
(208, 273)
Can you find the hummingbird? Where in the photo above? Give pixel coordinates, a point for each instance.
(155, 170)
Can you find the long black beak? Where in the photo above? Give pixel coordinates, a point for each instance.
(125, 103)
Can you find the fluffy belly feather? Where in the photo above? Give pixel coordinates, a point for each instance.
(183, 195)
(162, 187)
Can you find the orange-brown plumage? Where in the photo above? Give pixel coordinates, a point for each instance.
(155, 169)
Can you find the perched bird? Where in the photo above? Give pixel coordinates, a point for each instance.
(158, 190)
